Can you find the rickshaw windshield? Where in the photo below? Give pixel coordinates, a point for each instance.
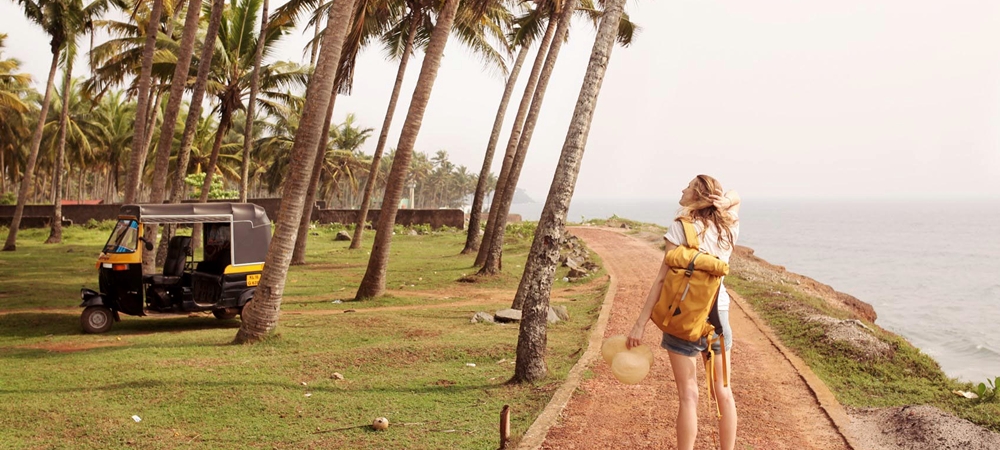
(123, 238)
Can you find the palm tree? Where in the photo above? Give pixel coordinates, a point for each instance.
(55, 225)
(251, 104)
(373, 283)
(14, 109)
(536, 283)
(84, 138)
(344, 158)
(231, 77)
(115, 119)
(171, 111)
(475, 213)
(505, 191)
(342, 162)
(178, 83)
(370, 19)
(197, 96)
(472, 25)
(260, 316)
(527, 28)
(530, 23)
(143, 100)
(278, 138)
(60, 19)
(12, 83)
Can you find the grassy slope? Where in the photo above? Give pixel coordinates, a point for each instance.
(905, 377)
(60, 388)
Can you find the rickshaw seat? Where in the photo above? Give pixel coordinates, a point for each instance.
(173, 267)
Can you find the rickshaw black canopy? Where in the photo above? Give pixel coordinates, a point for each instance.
(250, 226)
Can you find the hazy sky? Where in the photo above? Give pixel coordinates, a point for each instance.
(775, 98)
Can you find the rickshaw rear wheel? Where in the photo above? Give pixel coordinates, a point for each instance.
(96, 319)
(225, 314)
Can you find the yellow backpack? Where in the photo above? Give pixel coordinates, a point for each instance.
(689, 289)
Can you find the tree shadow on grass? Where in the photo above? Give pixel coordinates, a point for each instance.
(40, 324)
(201, 384)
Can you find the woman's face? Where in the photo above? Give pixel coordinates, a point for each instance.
(688, 194)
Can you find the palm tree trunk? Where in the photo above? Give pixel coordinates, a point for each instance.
(536, 284)
(299, 253)
(373, 283)
(175, 100)
(142, 104)
(197, 96)
(366, 200)
(224, 122)
(213, 159)
(55, 226)
(164, 145)
(260, 316)
(29, 169)
(3, 173)
(515, 136)
(315, 44)
(251, 106)
(475, 214)
(494, 253)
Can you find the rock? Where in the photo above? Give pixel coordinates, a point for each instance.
(337, 376)
(576, 273)
(560, 311)
(855, 334)
(342, 235)
(625, 226)
(508, 315)
(482, 317)
(413, 232)
(552, 316)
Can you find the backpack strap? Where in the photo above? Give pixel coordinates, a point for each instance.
(690, 234)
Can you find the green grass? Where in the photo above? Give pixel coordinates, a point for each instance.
(193, 389)
(905, 377)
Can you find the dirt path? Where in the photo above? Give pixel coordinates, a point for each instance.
(777, 410)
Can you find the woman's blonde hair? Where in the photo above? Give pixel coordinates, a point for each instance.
(702, 210)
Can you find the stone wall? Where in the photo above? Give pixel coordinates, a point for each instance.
(436, 218)
(39, 215)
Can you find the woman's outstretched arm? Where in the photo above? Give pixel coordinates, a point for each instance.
(635, 337)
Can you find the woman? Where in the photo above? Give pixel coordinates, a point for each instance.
(715, 217)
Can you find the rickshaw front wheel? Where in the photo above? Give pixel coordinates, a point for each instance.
(96, 319)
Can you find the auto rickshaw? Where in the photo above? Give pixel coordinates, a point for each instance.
(235, 241)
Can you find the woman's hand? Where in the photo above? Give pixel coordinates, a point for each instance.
(721, 202)
(635, 337)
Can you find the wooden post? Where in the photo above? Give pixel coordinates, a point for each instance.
(504, 426)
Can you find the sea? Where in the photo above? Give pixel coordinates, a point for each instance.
(928, 267)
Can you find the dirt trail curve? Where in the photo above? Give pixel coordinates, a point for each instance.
(777, 410)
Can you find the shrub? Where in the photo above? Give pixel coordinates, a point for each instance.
(521, 230)
(422, 228)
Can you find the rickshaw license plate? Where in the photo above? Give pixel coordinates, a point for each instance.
(253, 279)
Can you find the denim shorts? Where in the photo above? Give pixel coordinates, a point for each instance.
(688, 348)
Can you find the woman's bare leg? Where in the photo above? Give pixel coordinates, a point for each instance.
(686, 376)
(727, 406)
